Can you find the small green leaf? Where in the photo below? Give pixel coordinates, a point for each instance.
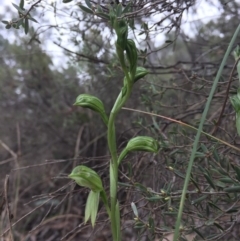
(21, 5)
(18, 8)
(209, 179)
(218, 225)
(31, 18)
(198, 233)
(204, 148)
(139, 225)
(134, 208)
(226, 180)
(20, 22)
(67, 1)
(209, 222)
(220, 184)
(119, 10)
(232, 210)
(88, 3)
(87, 10)
(235, 189)
(237, 170)
(91, 209)
(199, 154)
(99, 9)
(26, 26)
(127, 8)
(213, 205)
(5, 22)
(154, 198)
(199, 200)
(103, 15)
(8, 26)
(216, 156)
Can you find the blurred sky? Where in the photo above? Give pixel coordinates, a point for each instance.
(204, 13)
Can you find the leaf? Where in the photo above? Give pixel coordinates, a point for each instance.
(127, 8)
(91, 209)
(21, 5)
(20, 22)
(5, 22)
(139, 225)
(154, 198)
(199, 200)
(237, 170)
(26, 26)
(104, 15)
(88, 3)
(209, 179)
(67, 1)
(232, 210)
(18, 8)
(198, 233)
(226, 180)
(214, 206)
(31, 18)
(8, 26)
(99, 9)
(216, 156)
(134, 208)
(204, 148)
(119, 10)
(87, 10)
(218, 226)
(235, 189)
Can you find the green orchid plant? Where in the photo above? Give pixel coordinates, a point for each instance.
(86, 177)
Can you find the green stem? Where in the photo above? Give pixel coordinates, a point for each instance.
(120, 101)
(195, 145)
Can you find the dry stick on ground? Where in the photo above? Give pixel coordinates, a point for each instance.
(7, 206)
(226, 97)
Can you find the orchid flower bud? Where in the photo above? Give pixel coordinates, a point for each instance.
(139, 143)
(93, 103)
(86, 177)
(140, 73)
(132, 56)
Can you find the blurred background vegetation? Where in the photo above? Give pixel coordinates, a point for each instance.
(43, 136)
